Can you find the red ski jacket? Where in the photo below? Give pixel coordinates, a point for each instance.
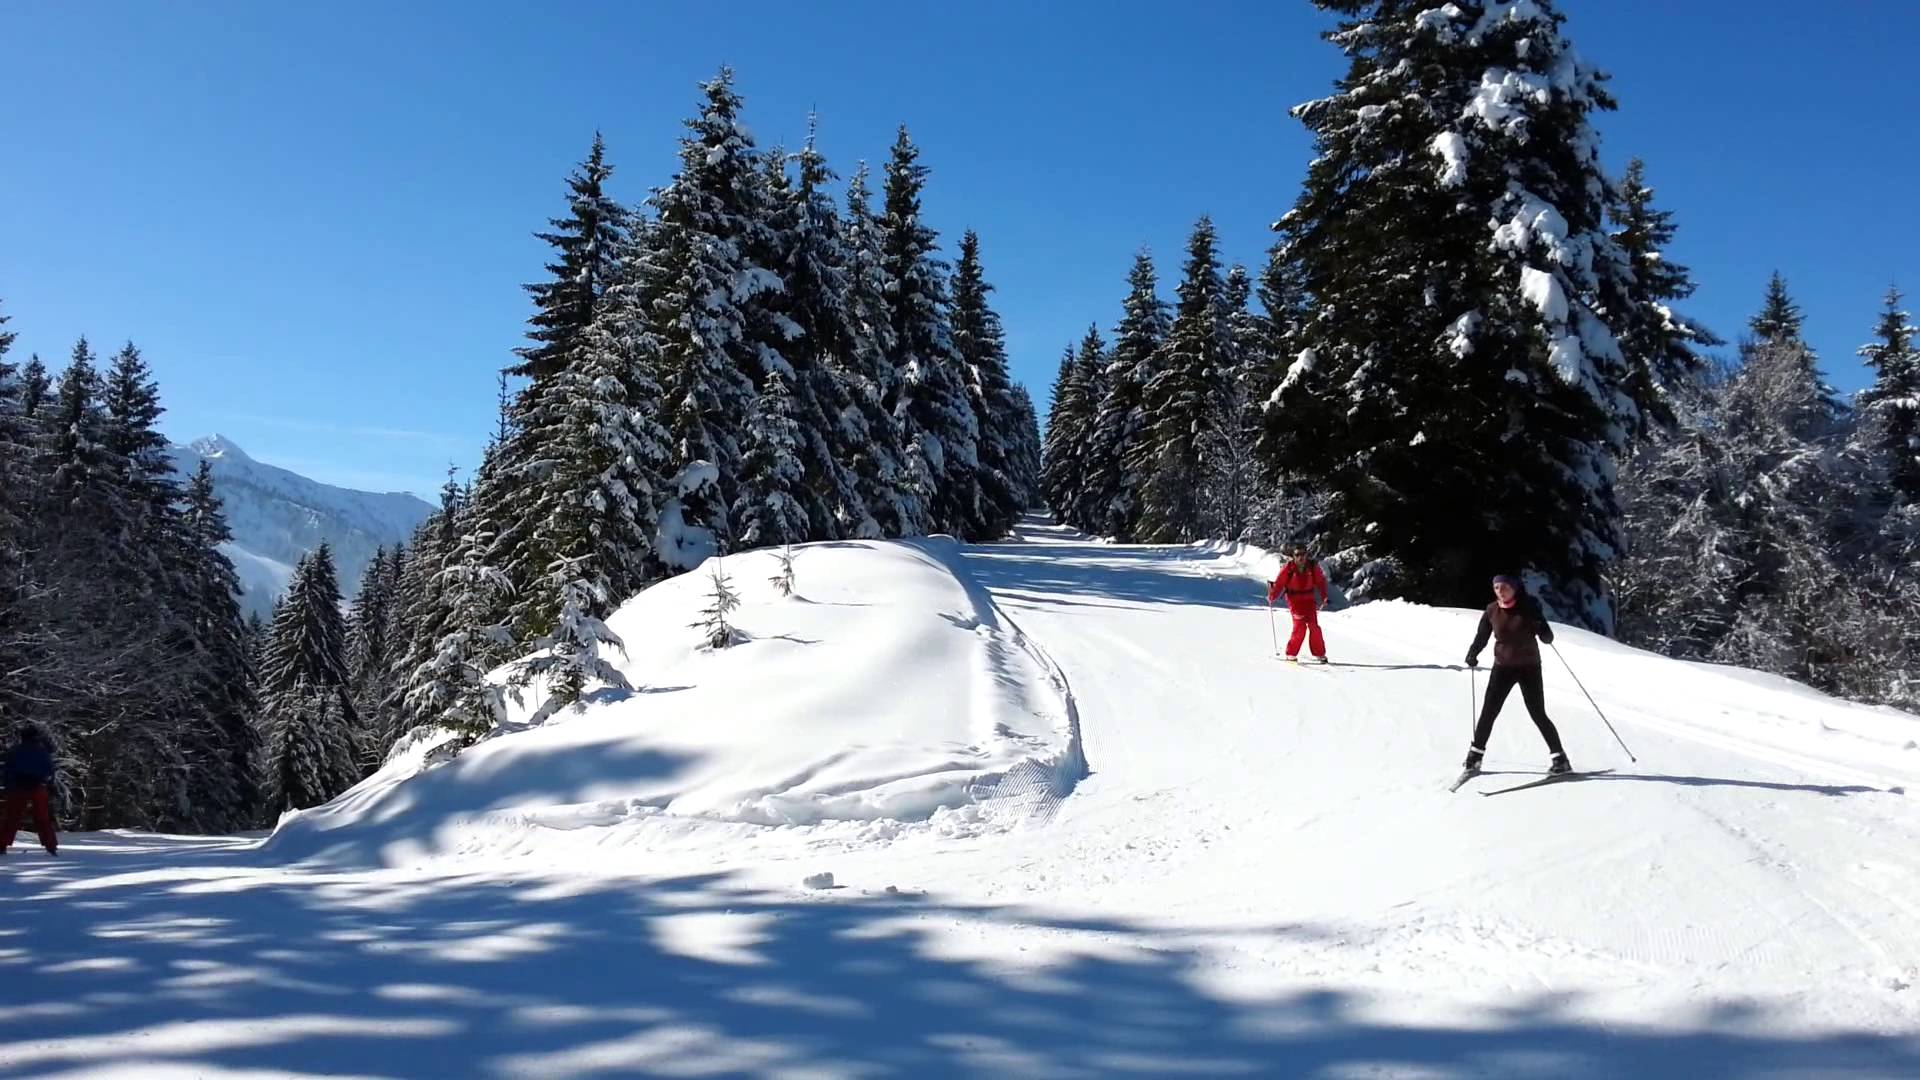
(1299, 585)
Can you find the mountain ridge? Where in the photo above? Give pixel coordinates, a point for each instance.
(278, 515)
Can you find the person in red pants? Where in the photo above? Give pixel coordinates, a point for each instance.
(29, 773)
(1305, 586)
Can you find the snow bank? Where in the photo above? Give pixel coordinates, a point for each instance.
(888, 690)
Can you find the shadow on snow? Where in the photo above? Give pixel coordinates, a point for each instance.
(224, 965)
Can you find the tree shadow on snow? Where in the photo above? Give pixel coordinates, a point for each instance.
(136, 956)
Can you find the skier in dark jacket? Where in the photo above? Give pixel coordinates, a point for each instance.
(28, 776)
(1513, 621)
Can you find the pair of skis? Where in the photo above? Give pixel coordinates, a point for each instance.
(1550, 778)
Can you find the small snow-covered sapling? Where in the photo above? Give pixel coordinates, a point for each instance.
(721, 602)
(783, 577)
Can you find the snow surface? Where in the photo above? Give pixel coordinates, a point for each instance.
(1263, 874)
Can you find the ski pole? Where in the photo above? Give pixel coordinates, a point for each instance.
(1273, 628)
(1595, 704)
(1473, 699)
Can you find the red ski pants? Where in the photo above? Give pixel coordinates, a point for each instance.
(1306, 626)
(16, 808)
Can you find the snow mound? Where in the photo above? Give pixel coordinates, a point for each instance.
(889, 690)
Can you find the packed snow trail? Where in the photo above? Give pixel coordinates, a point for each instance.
(1251, 787)
(1262, 875)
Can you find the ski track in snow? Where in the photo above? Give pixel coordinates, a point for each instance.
(1261, 873)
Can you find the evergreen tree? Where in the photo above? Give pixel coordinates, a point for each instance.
(873, 385)
(1027, 447)
(1779, 318)
(694, 280)
(1890, 408)
(1230, 487)
(225, 746)
(937, 428)
(313, 732)
(371, 653)
(450, 688)
(981, 347)
(722, 601)
(1458, 393)
(1792, 367)
(586, 244)
(812, 261)
(768, 512)
(1068, 470)
(1182, 399)
(591, 459)
(569, 659)
(980, 343)
(36, 387)
(1660, 346)
(1121, 427)
(423, 608)
(21, 481)
(310, 759)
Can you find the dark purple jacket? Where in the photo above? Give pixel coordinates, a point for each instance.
(1513, 631)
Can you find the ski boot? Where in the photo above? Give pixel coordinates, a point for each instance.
(1560, 766)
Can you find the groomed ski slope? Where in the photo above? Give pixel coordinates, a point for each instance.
(1262, 874)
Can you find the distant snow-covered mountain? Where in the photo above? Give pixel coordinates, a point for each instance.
(277, 516)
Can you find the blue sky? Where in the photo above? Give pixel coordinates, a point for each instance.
(314, 219)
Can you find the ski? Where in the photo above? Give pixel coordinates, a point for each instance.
(1555, 778)
(1465, 775)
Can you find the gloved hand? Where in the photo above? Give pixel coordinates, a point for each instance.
(1473, 661)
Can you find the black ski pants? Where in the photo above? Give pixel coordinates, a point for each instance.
(1501, 683)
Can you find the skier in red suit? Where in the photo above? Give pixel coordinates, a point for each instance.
(1305, 586)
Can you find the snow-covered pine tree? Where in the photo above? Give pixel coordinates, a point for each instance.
(937, 429)
(1793, 367)
(1063, 467)
(812, 261)
(1661, 346)
(1889, 409)
(313, 733)
(36, 387)
(592, 248)
(450, 688)
(1458, 393)
(1677, 587)
(767, 510)
(1026, 448)
(371, 653)
(19, 480)
(872, 384)
(587, 244)
(1121, 426)
(981, 346)
(1090, 363)
(1231, 490)
(309, 760)
(571, 654)
(590, 460)
(109, 682)
(1285, 308)
(694, 278)
(1181, 399)
(423, 604)
(224, 748)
